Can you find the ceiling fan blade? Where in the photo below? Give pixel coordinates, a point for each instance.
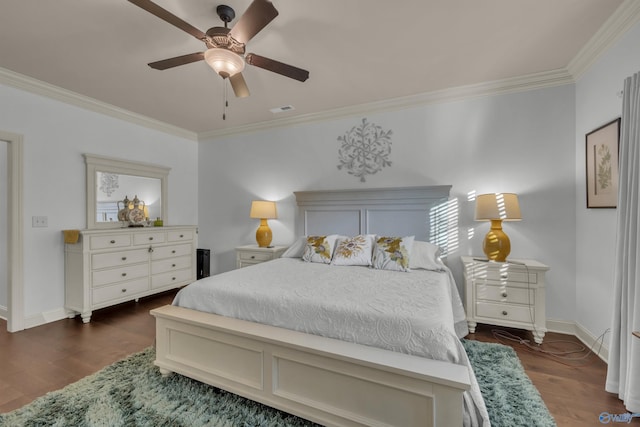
(167, 16)
(255, 18)
(239, 86)
(277, 67)
(178, 60)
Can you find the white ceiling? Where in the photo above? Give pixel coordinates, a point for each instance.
(357, 51)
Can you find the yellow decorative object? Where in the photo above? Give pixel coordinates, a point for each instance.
(497, 207)
(263, 210)
(71, 236)
(158, 222)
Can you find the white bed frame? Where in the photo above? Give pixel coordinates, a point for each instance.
(328, 381)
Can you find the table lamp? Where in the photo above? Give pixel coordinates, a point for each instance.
(497, 207)
(263, 210)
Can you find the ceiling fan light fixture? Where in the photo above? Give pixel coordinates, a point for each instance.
(223, 61)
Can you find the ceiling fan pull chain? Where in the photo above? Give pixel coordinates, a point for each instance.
(225, 103)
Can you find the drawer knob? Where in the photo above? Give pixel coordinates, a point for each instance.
(124, 258)
(173, 278)
(150, 249)
(124, 274)
(253, 257)
(504, 294)
(150, 238)
(181, 236)
(173, 251)
(504, 312)
(503, 275)
(124, 290)
(112, 242)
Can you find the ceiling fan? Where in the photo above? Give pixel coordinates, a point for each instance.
(226, 47)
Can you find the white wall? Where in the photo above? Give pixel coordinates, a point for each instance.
(597, 103)
(522, 143)
(56, 135)
(3, 228)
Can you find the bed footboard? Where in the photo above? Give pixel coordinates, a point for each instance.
(328, 381)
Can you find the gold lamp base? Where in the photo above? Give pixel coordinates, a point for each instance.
(263, 234)
(496, 245)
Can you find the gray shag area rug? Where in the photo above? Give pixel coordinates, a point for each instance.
(132, 392)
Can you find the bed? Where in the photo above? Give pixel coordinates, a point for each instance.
(336, 344)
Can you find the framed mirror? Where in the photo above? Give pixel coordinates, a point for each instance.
(110, 181)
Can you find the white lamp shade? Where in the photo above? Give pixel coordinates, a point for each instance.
(263, 209)
(502, 206)
(223, 61)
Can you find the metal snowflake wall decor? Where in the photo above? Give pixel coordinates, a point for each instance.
(364, 150)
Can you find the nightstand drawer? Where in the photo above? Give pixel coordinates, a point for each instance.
(255, 256)
(505, 294)
(516, 313)
(503, 275)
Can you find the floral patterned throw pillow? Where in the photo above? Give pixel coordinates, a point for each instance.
(354, 250)
(319, 249)
(392, 253)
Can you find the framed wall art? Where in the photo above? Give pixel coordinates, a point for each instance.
(602, 165)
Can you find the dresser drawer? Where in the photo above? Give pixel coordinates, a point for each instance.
(171, 264)
(180, 236)
(171, 278)
(110, 241)
(120, 290)
(116, 259)
(171, 251)
(515, 313)
(113, 275)
(254, 256)
(148, 237)
(505, 294)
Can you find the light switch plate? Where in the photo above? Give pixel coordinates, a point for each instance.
(39, 221)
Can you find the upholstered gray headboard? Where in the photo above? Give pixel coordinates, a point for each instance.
(406, 211)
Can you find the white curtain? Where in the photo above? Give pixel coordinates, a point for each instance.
(623, 372)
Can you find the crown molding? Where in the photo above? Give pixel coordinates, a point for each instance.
(624, 17)
(38, 87)
(497, 87)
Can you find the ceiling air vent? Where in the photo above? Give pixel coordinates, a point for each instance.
(282, 109)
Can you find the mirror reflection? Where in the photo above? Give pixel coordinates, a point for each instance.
(111, 180)
(112, 189)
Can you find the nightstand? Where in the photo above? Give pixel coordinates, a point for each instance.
(508, 294)
(253, 254)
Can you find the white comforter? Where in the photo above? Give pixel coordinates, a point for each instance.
(418, 313)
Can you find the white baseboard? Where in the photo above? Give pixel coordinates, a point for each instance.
(577, 330)
(45, 317)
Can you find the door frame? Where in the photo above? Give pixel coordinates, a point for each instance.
(15, 224)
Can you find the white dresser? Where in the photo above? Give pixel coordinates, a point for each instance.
(508, 294)
(110, 266)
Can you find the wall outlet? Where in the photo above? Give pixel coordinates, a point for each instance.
(39, 221)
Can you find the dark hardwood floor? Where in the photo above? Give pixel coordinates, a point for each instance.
(38, 360)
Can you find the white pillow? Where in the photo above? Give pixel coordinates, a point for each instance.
(296, 250)
(426, 256)
(353, 250)
(392, 253)
(319, 248)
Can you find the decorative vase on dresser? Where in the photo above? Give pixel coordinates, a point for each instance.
(510, 293)
(110, 266)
